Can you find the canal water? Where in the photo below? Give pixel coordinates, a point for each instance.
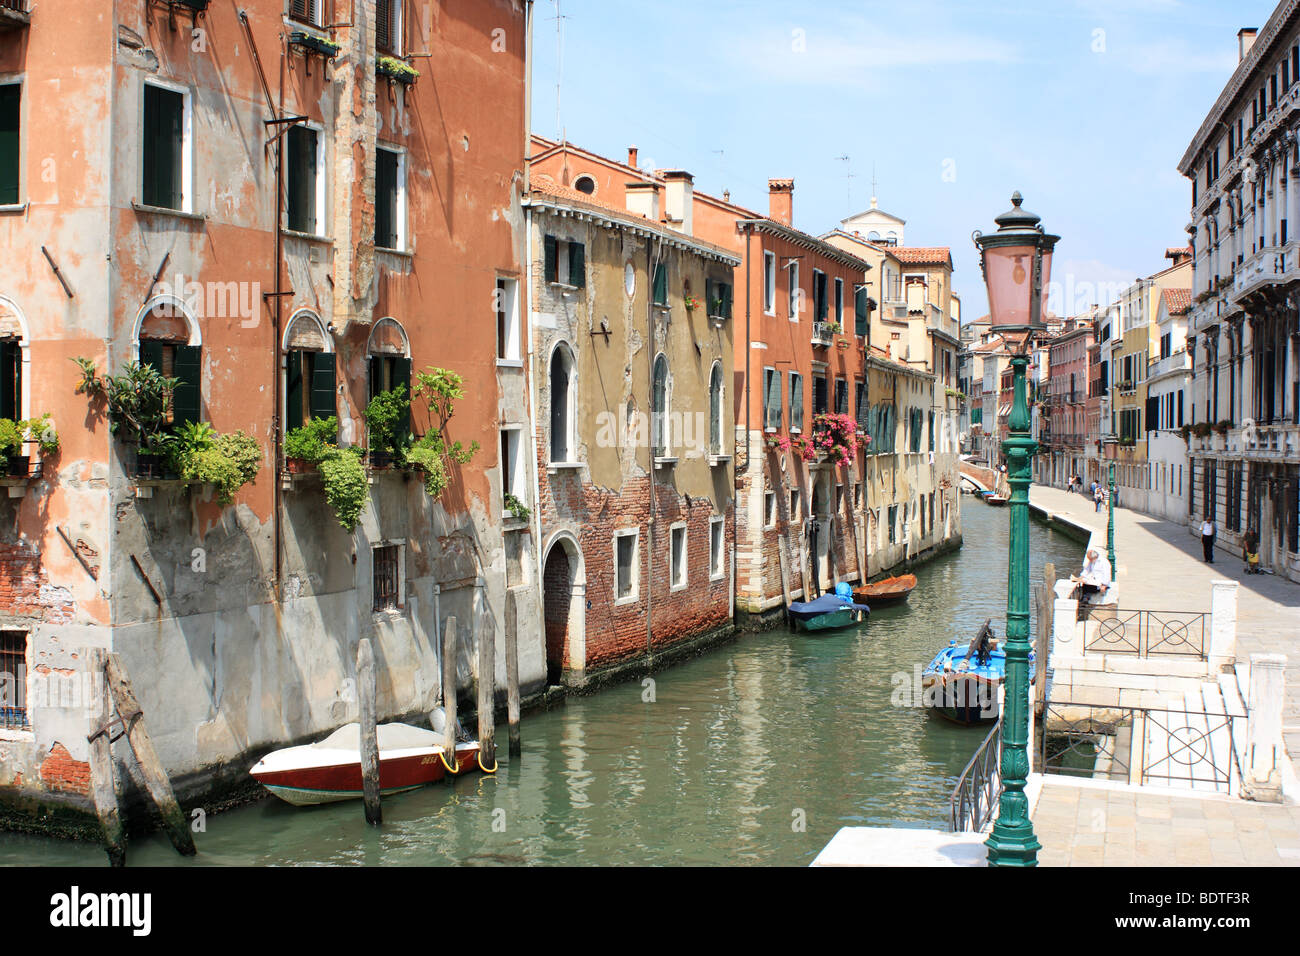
(755, 753)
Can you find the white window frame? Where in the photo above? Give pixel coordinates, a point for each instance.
(769, 283)
(315, 18)
(717, 548)
(769, 510)
(318, 227)
(513, 346)
(571, 418)
(839, 301)
(796, 504)
(19, 81)
(513, 473)
(635, 594)
(399, 13)
(187, 143)
(403, 239)
(793, 298)
(400, 544)
(679, 567)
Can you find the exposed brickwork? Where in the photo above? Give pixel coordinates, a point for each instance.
(60, 772)
(615, 631)
(25, 590)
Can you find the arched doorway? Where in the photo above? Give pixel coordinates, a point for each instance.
(564, 592)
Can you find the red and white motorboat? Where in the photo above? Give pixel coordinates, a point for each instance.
(330, 769)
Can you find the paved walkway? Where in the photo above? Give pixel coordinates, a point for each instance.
(1080, 823)
(1159, 567)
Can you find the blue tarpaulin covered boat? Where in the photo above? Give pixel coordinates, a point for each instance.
(828, 611)
(962, 682)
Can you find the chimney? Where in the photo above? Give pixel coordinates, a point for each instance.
(780, 200)
(679, 198)
(632, 156)
(643, 200)
(1245, 40)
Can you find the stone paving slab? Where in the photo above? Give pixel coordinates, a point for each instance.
(1086, 824)
(1160, 568)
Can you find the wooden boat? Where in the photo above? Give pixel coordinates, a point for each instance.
(996, 501)
(330, 769)
(889, 591)
(962, 685)
(828, 612)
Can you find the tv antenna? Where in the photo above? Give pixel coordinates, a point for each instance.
(849, 176)
(559, 19)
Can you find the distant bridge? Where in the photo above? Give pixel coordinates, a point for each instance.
(977, 477)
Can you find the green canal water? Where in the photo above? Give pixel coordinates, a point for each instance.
(755, 753)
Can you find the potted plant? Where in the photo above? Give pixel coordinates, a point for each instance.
(1201, 429)
(387, 423)
(433, 451)
(518, 510)
(346, 487)
(306, 447)
(692, 303)
(397, 70)
(1186, 432)
(835, 437)
(315, 44)
(199, 454)
(11, 446)
(139, 404)
(1223, 427)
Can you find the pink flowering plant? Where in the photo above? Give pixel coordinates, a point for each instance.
(835, 437)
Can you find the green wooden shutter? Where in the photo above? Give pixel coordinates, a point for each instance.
(577, 265)
(726, 299)
(293, 362)
(323, 401)
(661, 284)
(402, 376)
(11, 384)
(164, 115)
(151, 354)
(10, 102)
(860, 312)
(796, 402)
(376, 376)
(552, 259)
(187, 367)
(708, 296)
(302, 179)
(386, 166)
(774, 401)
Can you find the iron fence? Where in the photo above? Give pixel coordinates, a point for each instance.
(1145, 633)
(977, 792)
(1162, 746)
(18, 6)
(13, 679)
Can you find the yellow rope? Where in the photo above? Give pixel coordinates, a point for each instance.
(483, 768)
(450, 769)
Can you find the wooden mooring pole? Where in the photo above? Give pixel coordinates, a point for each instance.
(103, 787)
(449, 696)
(155, 777)
(512, 672)
(366, 691)
(487, 697)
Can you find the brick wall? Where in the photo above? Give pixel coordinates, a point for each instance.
(60, 772)
(25, 591)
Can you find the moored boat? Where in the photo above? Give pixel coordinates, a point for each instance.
(828, 612)
(893, 590)
(330, 769)
(996, 501)
(962, 684)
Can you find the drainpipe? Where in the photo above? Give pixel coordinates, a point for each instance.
(650, 526)
(276, 422)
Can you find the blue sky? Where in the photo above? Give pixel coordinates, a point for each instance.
(1085, 106)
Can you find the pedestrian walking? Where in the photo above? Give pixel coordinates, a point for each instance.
(1096, 497)
(1250, 551)
(1207, 540)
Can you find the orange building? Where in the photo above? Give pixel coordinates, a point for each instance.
(290, 209)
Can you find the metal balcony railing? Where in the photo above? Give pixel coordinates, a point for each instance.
(976, 795)
(17, 6)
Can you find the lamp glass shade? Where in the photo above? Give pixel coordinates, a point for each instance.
(1009, 274)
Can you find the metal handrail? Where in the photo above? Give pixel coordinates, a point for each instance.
(976, 794)
(1146, 633)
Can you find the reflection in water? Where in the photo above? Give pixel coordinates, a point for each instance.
(714, 771)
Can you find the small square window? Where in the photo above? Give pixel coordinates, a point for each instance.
(507, 311)
(678, 556)
(388, 577)
(769, 509)
(795, 504)
(512, 468)
(390, 198)
(13, 680)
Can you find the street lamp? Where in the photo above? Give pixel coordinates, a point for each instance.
(1017, 265)
(1110, 524)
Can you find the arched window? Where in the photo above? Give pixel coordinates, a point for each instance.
(660, 408)
(13, 358)
(585, 184)
(716, 410)
(389, 352)
(310, 377)
(561, 381)
(169, 340)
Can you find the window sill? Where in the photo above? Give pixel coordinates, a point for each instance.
(564, 287)
(558, 466)
(665, 462)
(510, 363)
(626, 601)
(307, 236)
(17, 736)
(389, 613)
(769, 431)
(164, 211)
(513, 524)
(385, 250)
(716, 460)
(13, 209)
(677, 587)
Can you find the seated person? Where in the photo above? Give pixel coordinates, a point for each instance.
(1094, 578)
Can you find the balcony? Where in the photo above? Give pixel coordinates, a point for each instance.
(1269, 266)
(14, 15)
(824, 333)
(1170, 363)
(1279, 442)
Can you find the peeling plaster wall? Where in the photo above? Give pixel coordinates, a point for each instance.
(221, 669)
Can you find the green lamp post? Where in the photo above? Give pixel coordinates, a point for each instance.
(1110, 524)
(1017, 265)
